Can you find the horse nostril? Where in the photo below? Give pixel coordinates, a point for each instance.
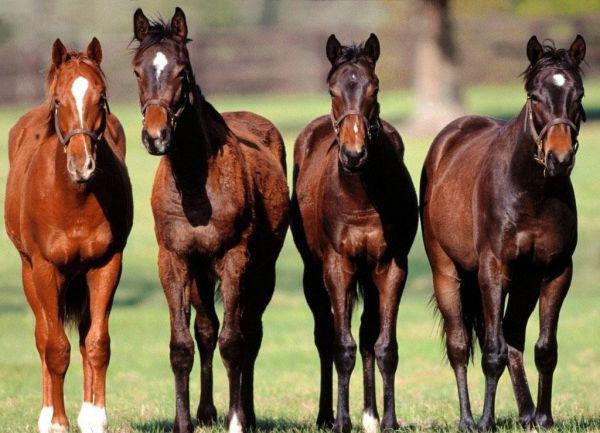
(567, 158)
(361, 152)
(90, 164)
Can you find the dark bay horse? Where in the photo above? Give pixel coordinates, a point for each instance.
(220, 204)
(354, 219)
(68, 211)
(499, 219)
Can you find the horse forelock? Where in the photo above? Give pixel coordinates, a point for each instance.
(158, 31)
(75, 60)
(350, 53)
(556, 58)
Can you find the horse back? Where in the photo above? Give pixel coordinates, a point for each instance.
(257, 130)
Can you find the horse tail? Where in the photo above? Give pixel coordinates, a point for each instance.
(74, 301)
(472, 312)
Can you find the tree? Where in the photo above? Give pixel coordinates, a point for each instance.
(437, 91)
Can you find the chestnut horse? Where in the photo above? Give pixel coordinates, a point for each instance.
(220, 204)
(354, 219)
(68, 212)
(499, 218)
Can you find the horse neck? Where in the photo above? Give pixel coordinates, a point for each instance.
(524, 172)
(197, 139)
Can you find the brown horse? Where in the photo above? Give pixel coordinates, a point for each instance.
(354, 218)
(220, 204)
(499, 218)
(68, 212)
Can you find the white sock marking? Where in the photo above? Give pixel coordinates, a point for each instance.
(234, 425)
(58, 428)
(559, 79)
(45, 419)
(78, 89)
(92, 419)
(159, 62)
(370, 424)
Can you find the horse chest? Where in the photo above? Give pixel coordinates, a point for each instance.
(77, 243)
(358, 236)
(543, 239)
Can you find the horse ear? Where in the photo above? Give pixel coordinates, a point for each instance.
(372, 48)
(94, 50)
(179, 24)
(59, 53)
(140, 25)
(535, 50)
(577, 50)
(333, 49)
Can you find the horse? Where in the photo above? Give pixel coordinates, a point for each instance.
(220, 204)
(354, 216)
(499, 221)
(68, 212)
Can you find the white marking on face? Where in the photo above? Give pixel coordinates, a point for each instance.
(354, 76)
(370, 424)
(45, 419)
(92, 419)
(559, 79)
(78, 89)
(159, 62)
(234, 425)
(355, 128)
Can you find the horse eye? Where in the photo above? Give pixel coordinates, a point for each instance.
(56, 102)
(137, 75)
(182, 74)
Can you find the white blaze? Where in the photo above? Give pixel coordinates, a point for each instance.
(159, 62)
(356, 128)
(78, 89)
(559, 79)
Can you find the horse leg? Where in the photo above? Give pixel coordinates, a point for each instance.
(492, 283)
(552, 295)
(260, 288)
(520, 305)
(41, 338)
(390, 279)
(231, 342)
(86, 412)
(102, 283)
(48, 282)
(339, 276)
(206, 327)
(176, 281)
(320, 306)
(369, 331)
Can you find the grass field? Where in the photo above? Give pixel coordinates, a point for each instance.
(140, 384)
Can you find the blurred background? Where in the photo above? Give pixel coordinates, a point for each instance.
(439, 59)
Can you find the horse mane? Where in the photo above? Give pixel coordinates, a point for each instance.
(553, 58)
(350, 53)
(53, 72)
(157, 32)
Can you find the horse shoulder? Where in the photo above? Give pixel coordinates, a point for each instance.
(27, 131)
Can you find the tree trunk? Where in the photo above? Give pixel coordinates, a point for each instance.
(437, 93)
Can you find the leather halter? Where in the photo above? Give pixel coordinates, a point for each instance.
(538, 137)
(372, 127)
(96, 137)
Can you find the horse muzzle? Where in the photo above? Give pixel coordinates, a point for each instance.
(559, 164)
(157, 144)
(353, 162)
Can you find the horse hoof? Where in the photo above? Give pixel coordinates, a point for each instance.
(544, 421)
(389, 424)
(342, 426)
(183, 427)
(486, 425)
(527, 421)
(325, 422)
(467, 425)
(207, 415)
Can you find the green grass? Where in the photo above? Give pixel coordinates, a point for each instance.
(140, 384)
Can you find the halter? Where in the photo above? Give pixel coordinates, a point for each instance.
(96, 137)
(539, 137)
(173, 115)
(373, 128)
